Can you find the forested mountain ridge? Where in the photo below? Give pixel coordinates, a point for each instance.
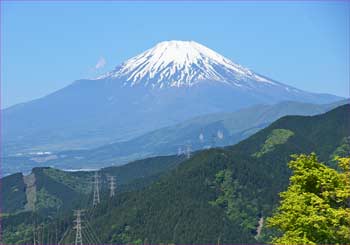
(220, 195)
(194, 204)
(52, 188)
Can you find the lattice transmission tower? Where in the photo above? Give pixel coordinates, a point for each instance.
(77, 227)
(112, 185)
(96, 183)
(188, 151)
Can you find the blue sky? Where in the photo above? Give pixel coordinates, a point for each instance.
(47, 45)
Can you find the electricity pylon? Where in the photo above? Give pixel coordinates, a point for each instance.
(188, 151)
(78, 227)
(213, 140)
(96, 198)
(112, 185)
(179, 151)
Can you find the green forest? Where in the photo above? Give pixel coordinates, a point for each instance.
(287, 184)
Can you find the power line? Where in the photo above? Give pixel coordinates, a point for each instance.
(34, 241)
(68, 230)
(92, 233)
(42, 234)
(48, 235)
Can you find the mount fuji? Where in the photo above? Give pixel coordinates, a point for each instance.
(183, 64)
(165, 85)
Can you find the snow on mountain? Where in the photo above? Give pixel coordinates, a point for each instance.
(183, 63)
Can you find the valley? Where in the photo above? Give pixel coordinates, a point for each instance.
(198, 133)
(219, 194)
(114, 132)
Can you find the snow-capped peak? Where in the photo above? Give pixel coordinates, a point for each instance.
(181, 63)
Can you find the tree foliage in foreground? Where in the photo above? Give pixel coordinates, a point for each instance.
(315, 209)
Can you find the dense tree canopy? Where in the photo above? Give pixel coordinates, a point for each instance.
(315, 209)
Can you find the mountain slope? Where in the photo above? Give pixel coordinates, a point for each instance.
(155, 88)
(52, 188)
(184, 64)
(200, 133)
(218, 195)
(193, 203)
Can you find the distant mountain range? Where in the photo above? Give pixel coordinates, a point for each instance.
(219, 129)
(219, 195)
(165, 85)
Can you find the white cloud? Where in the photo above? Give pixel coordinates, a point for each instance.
(100, 63)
